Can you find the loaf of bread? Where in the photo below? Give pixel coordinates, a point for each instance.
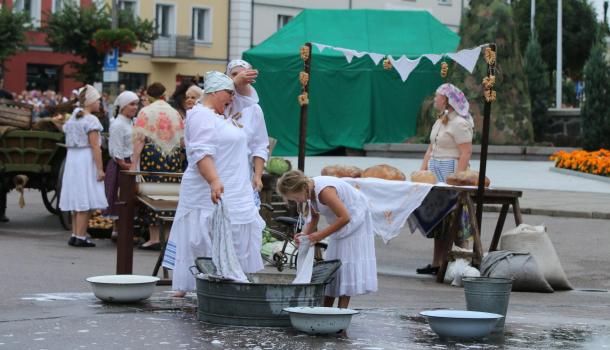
(423, 176)
(466, 178)
(341, 171)
(384, 171)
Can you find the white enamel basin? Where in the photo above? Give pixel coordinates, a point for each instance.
(461, 324)
(320, 320)
(123, 288)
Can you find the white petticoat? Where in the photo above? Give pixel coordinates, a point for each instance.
(80, 190)
(358, 271)
(190, 238)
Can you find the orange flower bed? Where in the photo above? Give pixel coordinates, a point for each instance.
(597, 163)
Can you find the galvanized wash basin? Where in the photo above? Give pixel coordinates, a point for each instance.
(261, 302)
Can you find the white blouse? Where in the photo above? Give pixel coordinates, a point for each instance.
(77, 129)
(120, 143)
(253, 121)
(210, 134)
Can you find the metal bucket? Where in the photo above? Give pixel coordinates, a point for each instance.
(260, 303)
(488, 295)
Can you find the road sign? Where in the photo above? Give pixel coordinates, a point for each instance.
(111, 61)
(111, 76)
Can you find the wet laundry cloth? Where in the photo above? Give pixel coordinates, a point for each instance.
(304, 261)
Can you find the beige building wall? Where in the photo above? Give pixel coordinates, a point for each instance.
(167, 59)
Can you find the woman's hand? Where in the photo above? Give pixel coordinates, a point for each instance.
(100, 175)
(217, 189)
(257, 183)
(315, 237)
(245, 77)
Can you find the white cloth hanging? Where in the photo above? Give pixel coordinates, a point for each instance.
(433, 58)
(390, 202)
(223, 250)
(376, 57)
(349, 53)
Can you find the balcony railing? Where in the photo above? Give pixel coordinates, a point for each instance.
(176, 46)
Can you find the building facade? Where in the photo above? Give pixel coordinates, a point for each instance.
(39, 68)
(268, 16)
(193, 39)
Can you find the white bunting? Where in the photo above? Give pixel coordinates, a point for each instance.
(376, 57)
(433, 57)
(466, 58)
(321, 47)
(404, 66)
(349, 53)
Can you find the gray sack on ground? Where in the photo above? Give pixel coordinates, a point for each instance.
(520, 267)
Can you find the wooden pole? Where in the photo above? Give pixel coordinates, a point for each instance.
(489, 98)
(304, 102)
(124, 251)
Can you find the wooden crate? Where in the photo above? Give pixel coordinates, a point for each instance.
(15, 114)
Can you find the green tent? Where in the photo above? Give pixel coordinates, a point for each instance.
(350, 104)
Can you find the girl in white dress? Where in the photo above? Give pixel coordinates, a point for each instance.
(217, 154)
(350, 230)
(82, 188)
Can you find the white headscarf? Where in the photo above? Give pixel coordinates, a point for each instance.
(91, 95)
(237, 63)
(216, 81)
(125, 98)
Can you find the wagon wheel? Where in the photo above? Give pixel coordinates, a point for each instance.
(50, 198)
(65, 217)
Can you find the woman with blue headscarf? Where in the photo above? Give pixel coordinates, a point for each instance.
(217, 154)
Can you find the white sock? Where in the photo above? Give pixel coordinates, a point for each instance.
(73, 234)
(84, 238)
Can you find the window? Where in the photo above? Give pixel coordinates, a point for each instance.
(282, 20)
(129, 5)
(164, 20)
(444, 2)
(42, 77)
(201, 25)
(58, 5)
(31, 7)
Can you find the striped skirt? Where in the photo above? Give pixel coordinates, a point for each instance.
(442, 168)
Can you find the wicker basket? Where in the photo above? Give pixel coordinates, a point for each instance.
(15, 114)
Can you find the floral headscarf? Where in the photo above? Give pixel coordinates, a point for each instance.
(237, 63)
(216, 81)
(162, 124)
(456, 99)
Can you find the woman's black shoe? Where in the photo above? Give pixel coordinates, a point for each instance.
(428, 270)
(71, 240)
(84, 243)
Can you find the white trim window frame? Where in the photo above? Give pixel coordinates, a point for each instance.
(171, 21)
(282, 20)
(57, 5)
(34, 10)
(196, 13)
(136, 6)
(445, 3)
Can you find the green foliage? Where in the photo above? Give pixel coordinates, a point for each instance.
(71, 30)
(579, 28)
(106, 39)
(596, 108)
(13, 26)
(491, 21)
(537, 80)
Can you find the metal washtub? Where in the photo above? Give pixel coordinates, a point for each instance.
(260, 303)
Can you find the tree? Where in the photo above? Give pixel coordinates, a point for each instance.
(596, 109)
(13, 26)
(491, 21)
(72, 29)
(537, 80)
(579, 28)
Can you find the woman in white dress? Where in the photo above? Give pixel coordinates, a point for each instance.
(253, 121)
(217, 154)
(349, 231)
(82, 188)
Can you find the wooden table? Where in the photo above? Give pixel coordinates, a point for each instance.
(466, 196)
